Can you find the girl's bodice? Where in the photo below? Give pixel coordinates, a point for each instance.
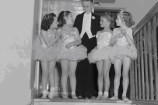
(103, 39)
(49, 35)
(122, 41)
(68, 36)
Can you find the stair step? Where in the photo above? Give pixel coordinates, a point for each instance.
(59, 101)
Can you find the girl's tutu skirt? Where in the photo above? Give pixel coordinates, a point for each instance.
(119, 52)
(77, 53)
(100, 54)
(45, 53)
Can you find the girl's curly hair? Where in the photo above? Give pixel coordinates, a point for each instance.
(61, 18)
(47, 20)
(127, 18)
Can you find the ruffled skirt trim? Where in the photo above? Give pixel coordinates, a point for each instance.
(99, 54)
(46, 54)
(77, 53)
(119, 52)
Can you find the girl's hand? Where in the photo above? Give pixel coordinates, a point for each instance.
(124, 32)
(69, 45)
(119, 35)
(77, 42)
(111, 43)
(114, 39)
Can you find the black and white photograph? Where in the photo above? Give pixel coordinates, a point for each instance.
(79, 52)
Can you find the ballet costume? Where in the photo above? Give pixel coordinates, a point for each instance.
(44, 53)
(102, 51)
(75, 53)
(121, 47)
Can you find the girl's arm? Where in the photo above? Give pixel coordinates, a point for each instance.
(129, 36)
(48, 41)
(44, 35)
(113, 38)
(115, 35)
(78, 41)
(58, 36)
(98, 33)
(53, 40)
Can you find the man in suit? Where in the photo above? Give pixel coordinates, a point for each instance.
(88, 24)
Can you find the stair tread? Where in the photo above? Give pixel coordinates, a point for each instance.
(81, 101)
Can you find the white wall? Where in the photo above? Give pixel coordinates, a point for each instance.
(138, 8)
(16, 23)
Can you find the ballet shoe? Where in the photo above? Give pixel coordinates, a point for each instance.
(73, 96)
(45, 93)
(105, 97)
(125, 99)
(100, 94)
(114, 98)
(51, 93)
(65, 95)
(99, 97)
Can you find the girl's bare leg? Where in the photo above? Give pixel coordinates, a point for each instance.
(117, 66)
(126, 66)
(52, 78)
(72, 74)
(100, 79)
(107, 66)
(44, 65)
(64, 77)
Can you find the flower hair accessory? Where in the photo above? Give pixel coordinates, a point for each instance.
(122, 11)
(93, 17)
(107, 14)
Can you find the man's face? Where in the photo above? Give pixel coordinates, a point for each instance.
(87, 6)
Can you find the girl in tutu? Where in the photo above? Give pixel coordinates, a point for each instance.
(71, 52)
(101, 55)
(46, 49)
(123, 51)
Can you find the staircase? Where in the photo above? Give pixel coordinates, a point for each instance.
(59, 101)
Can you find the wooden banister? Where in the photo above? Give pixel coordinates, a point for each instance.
(147, 18)
(145, 68)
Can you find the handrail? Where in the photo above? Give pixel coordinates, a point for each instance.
(153, 11)
(144, 70)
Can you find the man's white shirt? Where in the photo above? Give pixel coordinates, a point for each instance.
(86, 25)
